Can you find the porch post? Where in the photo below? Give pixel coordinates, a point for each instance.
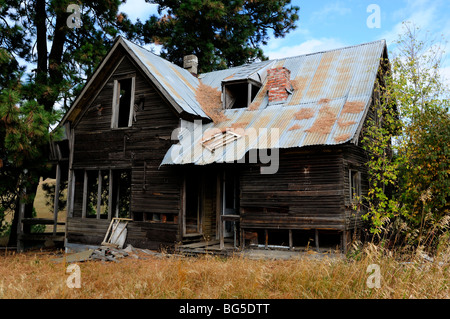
(291, 244)
(56, 201)
(20, 246)
(110, 194)
(266, 243)
(317, 239)
(85, 195)
(221, 232)
(99, 193)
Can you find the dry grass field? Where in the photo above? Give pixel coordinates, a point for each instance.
(35, 275)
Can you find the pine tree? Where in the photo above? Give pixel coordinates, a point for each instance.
(221, 33)
(37, 33)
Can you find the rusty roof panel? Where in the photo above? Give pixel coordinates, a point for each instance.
(335, 87)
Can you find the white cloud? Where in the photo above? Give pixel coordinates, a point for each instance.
(138, 9)
(309, 46)
(275, 44)
(420, 12)
(336, 8)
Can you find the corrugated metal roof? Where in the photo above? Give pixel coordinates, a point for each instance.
(334, 88)
(244, 72)
(179, 83)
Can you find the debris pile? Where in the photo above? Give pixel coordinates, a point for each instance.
(108, 253)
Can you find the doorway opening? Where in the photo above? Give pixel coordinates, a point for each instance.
(192, 221)
(230, 201)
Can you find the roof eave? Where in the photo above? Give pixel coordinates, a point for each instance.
(119, 41)
(90, 81)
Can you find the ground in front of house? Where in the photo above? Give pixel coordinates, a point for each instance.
(37, 275)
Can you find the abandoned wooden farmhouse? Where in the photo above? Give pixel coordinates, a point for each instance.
(262, 154)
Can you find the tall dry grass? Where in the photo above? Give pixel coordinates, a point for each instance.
(35, 275)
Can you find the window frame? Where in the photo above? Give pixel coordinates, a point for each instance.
(229, 104)
(354, 184)
(116, 101)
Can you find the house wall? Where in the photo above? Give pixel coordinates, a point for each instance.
(138, 149)
(311, 189)
(354, 158)
(307, 192)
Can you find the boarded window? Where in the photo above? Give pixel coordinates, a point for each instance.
(123, 102)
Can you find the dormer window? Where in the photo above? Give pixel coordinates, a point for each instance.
(239, 94)
(123, 102)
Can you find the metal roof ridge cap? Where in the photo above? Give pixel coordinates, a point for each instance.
(234, 67)
(331, 50)
(156, 55)
(127, 42)
(297, 56)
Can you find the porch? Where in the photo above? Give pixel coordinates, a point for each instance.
(288, 243)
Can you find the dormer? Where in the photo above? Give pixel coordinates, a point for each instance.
(239, 93)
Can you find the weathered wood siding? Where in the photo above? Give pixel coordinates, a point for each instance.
(139, 148)
(354, 158)
(209, 203)
(96, 144)
(307, 192)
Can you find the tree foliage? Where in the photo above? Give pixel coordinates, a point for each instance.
(24, 138)
(35, 33)
(221, 33)
(44, 63)
(419, 171)
(382, 166)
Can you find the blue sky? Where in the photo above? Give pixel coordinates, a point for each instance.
(329, 24)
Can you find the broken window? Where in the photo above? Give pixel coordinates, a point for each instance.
(239, 94)
(102, 194)
(97, 194)
(155, 217)
(123, 102)
(121, 202)
(355, 185)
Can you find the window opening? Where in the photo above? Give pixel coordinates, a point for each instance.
(103, 194)
(123, 104)
(239, 95)
(355, 185)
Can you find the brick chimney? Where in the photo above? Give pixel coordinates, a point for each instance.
(278, 84)
(190, 63)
